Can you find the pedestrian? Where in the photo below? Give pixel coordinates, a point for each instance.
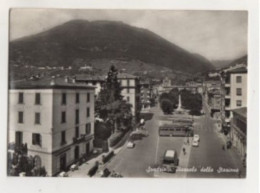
(188, 141)
(184, 150)
(223, 147)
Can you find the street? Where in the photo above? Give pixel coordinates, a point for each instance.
(207, 160)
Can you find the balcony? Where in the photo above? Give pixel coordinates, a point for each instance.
(227, 85)
(228, 108)
(227, 96)
(83, 138)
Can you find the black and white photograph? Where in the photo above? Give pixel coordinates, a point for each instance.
(127, 93)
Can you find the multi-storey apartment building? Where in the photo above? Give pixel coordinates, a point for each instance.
(235, 91)
(54, 118)
(146, 94)
(130, 90)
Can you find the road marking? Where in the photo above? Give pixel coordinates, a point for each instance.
(157, 147)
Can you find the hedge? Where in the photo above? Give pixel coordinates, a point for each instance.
(116, 137)
(108, 157)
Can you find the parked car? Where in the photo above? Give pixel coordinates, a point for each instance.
(196, 137)
(195, 143)
(130, 144)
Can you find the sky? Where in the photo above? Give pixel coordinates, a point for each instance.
(216, 35)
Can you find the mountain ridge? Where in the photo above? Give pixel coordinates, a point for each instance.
(89, 40)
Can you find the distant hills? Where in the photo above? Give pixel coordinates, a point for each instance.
(80, 42)
(220, 64)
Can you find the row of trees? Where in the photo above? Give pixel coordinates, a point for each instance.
(169, 101)
(190, 101)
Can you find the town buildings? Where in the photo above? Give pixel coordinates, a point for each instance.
(130, 90)
(146, 94)
(95, 81)
(55, 118)
(239, 130)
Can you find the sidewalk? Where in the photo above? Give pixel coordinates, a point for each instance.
(233, 152)
(83, 169)
(184, 158)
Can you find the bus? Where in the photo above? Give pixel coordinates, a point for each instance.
(176, 130)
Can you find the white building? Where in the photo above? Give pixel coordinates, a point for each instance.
(96, 81)
(130, 92)
(235, 91)
(54, 118)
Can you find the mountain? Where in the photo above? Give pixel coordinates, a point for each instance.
(218, 64)
(241, 60)
(79, 42)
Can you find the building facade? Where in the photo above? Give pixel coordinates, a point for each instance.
(96, 81)
(146, 94)
(238, 130)
(130, 90)
(54, 118)
(235, 91)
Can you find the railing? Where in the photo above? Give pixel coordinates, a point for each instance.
(83, 137)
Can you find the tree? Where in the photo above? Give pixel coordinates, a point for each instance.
(111, 106)
(191, 101)
(166, 106)
(102, 131)
(21, 162)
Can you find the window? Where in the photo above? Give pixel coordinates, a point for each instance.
(63, 117)
(37, 99)
(239, 79)
(36, 139)
(239, 103)
(64, 99)
(88, 128)
(77, 132)
(63, 137)
(37, 119)
(18, 138)
(88, 97)
(128, 99)
(239, 91)
(20, 117)
(77, 97)
(88, 112)
(20, 98)
(77, 117)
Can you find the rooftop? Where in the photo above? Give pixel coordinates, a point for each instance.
(241, 111)
(169, 153)
(85, 77)
(238, 70)
(48, 83)
(125, 75)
